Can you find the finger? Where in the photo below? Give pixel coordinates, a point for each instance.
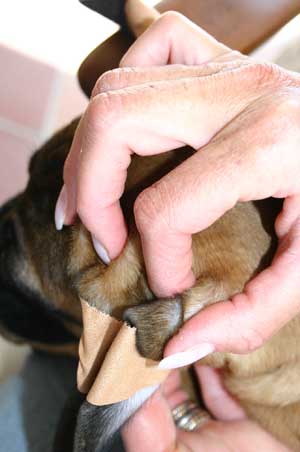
(151, 428)
(124, 78)
(243, 324)
(288, 216)
(218, 401)
(69, 175)
(204, 187)
(139, 16)
(172, 390)
(243, 435)
(131, 76)
(172, 39)
(171, 384)
(149, 120)
(115, 80)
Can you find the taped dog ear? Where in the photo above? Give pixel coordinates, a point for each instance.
(155, 322)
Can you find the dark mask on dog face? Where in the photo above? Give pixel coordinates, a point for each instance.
(43, 272)
(36, 302)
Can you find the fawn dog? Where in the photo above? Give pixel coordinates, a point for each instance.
(44, 272)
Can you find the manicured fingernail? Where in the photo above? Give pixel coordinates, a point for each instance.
(60, 209)
(188, 357)
(101, 251)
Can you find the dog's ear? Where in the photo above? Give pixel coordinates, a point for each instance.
(51, 156)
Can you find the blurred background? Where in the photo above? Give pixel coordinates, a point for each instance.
(42, 44)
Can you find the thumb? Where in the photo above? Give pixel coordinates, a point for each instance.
(245, 322)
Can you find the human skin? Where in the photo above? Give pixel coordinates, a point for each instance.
(152, 427)
(243, 120)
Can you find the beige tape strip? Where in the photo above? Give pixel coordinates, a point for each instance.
(110, 367)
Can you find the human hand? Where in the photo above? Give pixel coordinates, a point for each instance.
(152, 427)
(243, 118)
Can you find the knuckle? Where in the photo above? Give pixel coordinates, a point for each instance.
(145, 210)
(289, 105)
(251, 340)
(103, 110)
(265, 72)
(270, 74)
(105, 82)
(150, 209)
(113, 80)
(278, 112)
(285, 111)
(171, 20)
(253, 335)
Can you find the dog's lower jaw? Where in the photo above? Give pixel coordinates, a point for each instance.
(97, 425)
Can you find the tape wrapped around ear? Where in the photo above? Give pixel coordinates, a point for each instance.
(110, 368)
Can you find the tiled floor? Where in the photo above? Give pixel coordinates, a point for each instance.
(41, 47)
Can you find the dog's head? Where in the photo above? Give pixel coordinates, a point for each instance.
(38, 304)
(43, 272)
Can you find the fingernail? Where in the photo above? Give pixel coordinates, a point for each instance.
(60, 209)
(101, 251)
(188, 357)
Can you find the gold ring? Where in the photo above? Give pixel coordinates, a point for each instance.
(188, 416)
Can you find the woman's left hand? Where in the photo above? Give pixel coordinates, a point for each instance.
(152, 427)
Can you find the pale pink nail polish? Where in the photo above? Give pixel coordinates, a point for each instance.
(101, 251)
(187, 357)
(61, 208)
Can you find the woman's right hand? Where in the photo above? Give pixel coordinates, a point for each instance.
(243, 120)
(152, 427)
